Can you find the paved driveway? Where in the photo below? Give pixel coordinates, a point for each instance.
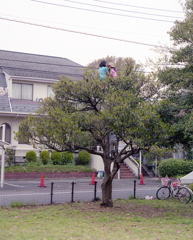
(29, 192)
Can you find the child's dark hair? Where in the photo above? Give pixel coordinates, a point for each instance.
(103, 64)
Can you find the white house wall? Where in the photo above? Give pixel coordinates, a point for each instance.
(96, 162)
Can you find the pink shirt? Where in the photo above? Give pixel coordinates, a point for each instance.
(113, 72)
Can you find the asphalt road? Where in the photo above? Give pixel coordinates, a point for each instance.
(29, 192)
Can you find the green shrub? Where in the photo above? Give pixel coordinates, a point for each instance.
(67, 158)
(173, 167)
(56, 158)
(9, 156)
(37, 163)
(44, 156)
(83, 157)
(31, 156)
(191, 186)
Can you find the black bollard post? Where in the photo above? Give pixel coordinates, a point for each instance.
(95, 190)
(72, 199)
(52, 187)
(134, 188)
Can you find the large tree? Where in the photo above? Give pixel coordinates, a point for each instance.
(85, 113)
(177, 79)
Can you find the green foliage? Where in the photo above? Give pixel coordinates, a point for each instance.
(67, 158)
(56, 158)
(31, 156)
(173, 167)
(191, 186)
(37, 163)
(83, 158)
(84, 113)
(9, 156)
(32, 167)
(189, 155)
(17, 204)
(44, 156)
(177, 77)
(50, 162)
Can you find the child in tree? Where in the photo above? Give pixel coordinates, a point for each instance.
(103, 70)
(112, 70)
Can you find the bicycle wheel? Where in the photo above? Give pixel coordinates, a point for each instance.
(175, 193)
(184, 195)
(163, 193)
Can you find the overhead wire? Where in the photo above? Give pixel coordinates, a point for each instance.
(100, 29)
(127, 5)
(79, 32)
(91, 10)
(122, 10)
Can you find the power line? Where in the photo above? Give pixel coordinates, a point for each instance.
(126, 5)
(90, 10)
(123, 10)
(84, 33)
(101, 29)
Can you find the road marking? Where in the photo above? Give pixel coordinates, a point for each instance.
(13, 185)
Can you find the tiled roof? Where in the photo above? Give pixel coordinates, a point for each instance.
(39, 66)
(24, 106)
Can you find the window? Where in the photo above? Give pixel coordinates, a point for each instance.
(7, 133)
(22, 91)
(50, 92)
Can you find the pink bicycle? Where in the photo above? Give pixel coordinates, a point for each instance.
(174, 189)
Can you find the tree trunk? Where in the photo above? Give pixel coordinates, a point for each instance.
(107, 183)
(107, 191)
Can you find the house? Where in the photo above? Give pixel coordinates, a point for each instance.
(29, 78)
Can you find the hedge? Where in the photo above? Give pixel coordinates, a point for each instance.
(56, 158)
(174, 167)
(44, 156)
(83, 157)
(67, 158)
(31, 156)
(48, 169)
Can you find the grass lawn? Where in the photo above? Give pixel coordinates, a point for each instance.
(128, 219)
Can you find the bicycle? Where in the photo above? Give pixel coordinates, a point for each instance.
(174, 189)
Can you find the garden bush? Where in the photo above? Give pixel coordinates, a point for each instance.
(9, 156)
(44, 156)
(174, 167)
(67, 158)
(83, 157)
(56, 158)
(31, 156)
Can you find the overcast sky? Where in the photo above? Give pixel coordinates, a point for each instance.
(140, 22)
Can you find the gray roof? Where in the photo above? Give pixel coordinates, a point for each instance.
(24, 106)
(32, 65)
(39, 66)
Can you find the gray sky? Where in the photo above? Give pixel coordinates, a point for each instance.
(111, 19)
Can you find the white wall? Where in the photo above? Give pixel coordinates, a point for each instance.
(96, 162)
(14, 122)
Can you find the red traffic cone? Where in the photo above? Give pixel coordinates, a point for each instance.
(42, 181)
(141, 180)
(93, 179)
